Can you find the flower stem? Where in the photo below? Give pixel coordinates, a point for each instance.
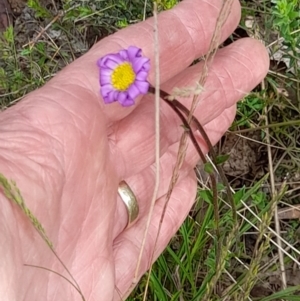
(177, 107)
(181, 110)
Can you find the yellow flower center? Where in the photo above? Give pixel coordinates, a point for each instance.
(123, 76)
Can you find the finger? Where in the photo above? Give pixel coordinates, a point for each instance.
(179, 32)
(143, 183)
(184, 35)
(127, 246)
(236, 70)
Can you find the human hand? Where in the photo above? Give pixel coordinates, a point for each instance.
(68, 151)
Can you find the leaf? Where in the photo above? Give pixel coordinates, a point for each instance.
(284, 294)
(208, 167)
(222, 158)
(206, 195)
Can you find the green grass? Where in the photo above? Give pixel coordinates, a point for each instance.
(248, 254)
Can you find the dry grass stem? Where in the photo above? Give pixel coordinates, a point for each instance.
(225, 10)
(211, 52)
(157, 151)
(261, 246)
(12, 192)
(43, 30)
(273, 191)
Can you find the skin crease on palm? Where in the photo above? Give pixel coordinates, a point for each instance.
(67, 152)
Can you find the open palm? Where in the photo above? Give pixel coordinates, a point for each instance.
(67, 152)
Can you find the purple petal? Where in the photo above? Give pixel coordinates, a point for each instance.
(101, 62)
(140, 63)
(106, 89)
(124, 54)
(146, 66)
(134, 52)
(116, 95)
(111, 64)
(133, 91)
(115, 57)
(127, 102)
(105, 71)
(122, 97)
(143, 86)
(109, 99)
(111, 61)
(142, 75)
(105, 78)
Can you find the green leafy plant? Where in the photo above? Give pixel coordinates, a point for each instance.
(250, 108)
(40, 11)
(286, 18)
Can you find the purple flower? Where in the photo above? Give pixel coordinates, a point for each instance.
(123, 76)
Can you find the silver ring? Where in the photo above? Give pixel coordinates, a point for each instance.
(129, 199)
